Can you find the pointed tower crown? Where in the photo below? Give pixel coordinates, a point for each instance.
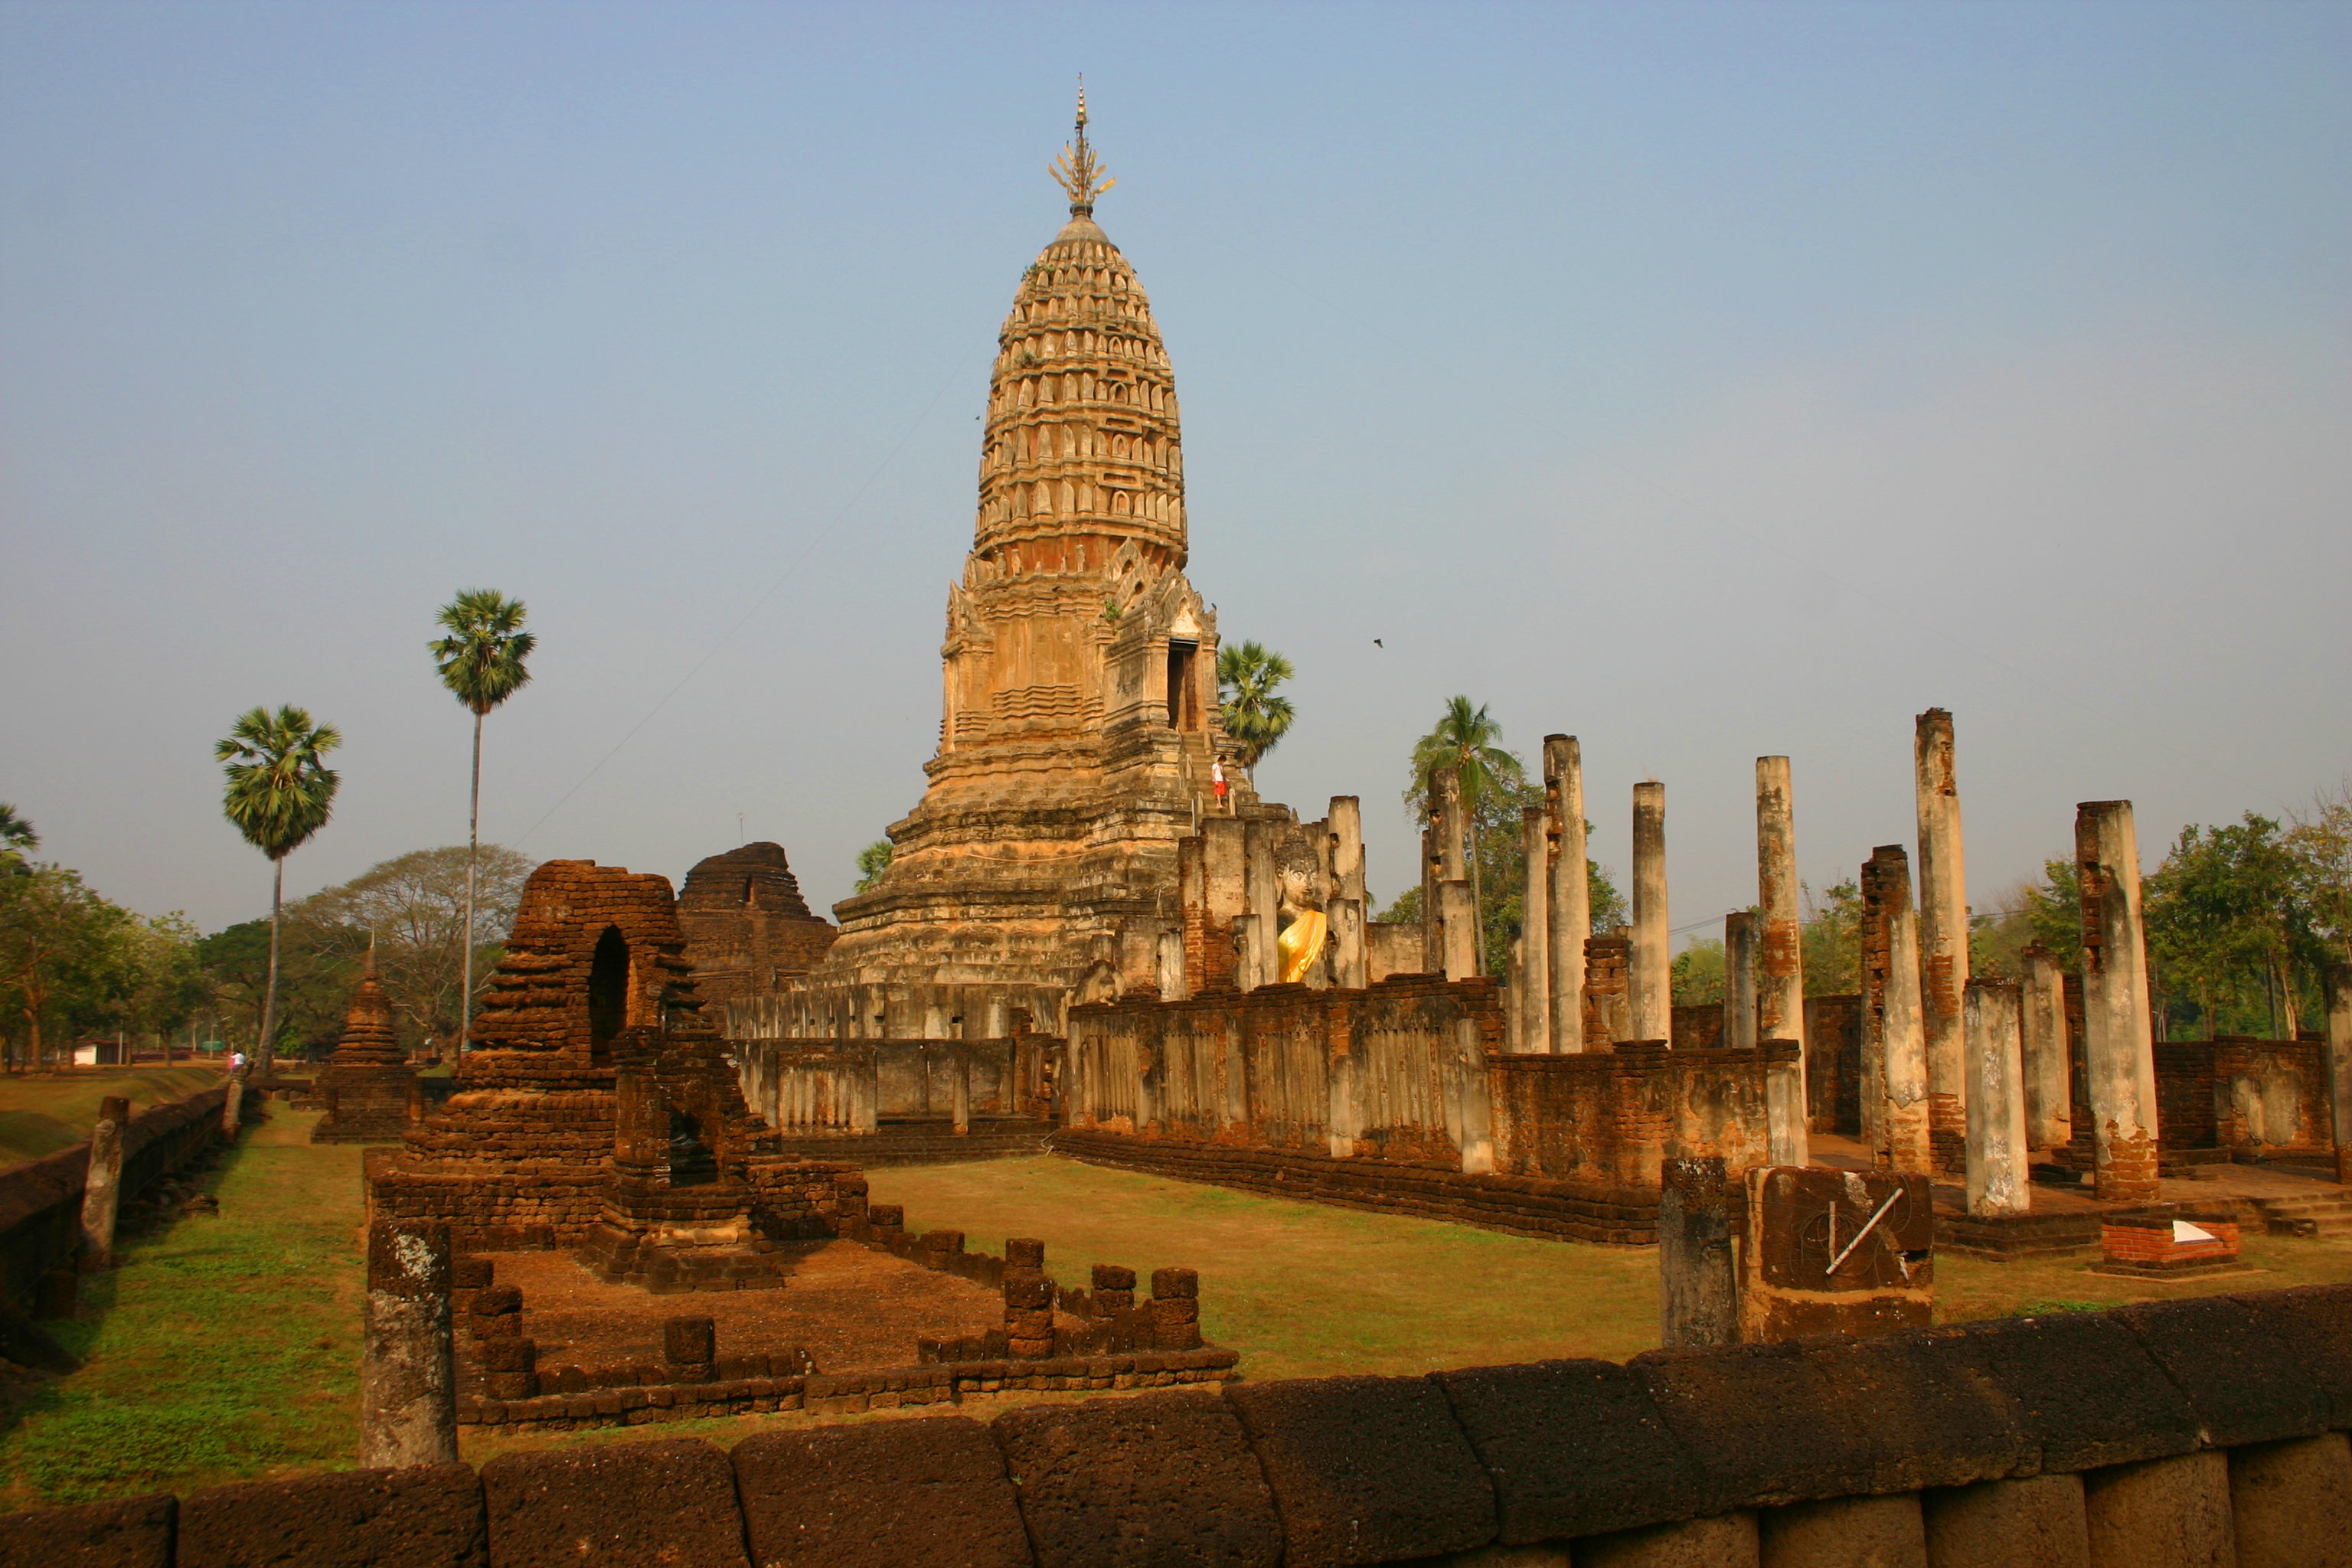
(1082, 453)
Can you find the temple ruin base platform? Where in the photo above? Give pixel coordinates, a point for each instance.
(929, 1143)
(1519, 1205)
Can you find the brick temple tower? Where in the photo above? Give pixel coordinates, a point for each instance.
(1080, 695)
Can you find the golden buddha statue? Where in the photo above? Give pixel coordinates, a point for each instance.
(1301, 926)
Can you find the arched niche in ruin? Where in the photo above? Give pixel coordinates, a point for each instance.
(608, 989)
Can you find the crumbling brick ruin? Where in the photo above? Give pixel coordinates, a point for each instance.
(747, 928)
(367, 1087)
(596, 1109)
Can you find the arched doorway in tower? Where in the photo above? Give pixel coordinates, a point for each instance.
(608, 989)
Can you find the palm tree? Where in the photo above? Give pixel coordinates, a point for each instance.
(481, 660)
(16, 840)
(280, 792)
(1464, 740)
(1254, 716)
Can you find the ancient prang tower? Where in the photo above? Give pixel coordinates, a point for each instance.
(1080, 695)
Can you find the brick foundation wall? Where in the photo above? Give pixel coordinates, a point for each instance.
(2207, 1431)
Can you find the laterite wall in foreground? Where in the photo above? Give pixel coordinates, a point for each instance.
(2207, 1432)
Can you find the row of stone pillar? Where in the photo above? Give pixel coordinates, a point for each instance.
(1968, 1076)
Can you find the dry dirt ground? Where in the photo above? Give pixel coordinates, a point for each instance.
(846, 1305)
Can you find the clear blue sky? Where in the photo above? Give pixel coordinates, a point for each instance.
(1705, 380)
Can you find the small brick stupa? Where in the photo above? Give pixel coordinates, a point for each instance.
(596, 1109)
(747, 930)
(368, 1084)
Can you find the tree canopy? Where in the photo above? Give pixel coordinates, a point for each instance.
(413, 908)
(1253, 717)
(481, 660)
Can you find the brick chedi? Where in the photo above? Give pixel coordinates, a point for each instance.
(747, 927)
(595, 1107)
(1080, 700)
(367, 1085)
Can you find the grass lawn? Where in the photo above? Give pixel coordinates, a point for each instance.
(220, 1349)
(1307, 1291)
(1304, 1290)
(42, 1114)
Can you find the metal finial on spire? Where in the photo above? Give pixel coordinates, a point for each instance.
(1081, 178)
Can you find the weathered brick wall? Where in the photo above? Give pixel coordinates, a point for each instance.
(2237, 1092)
(1398, 1095)
(1271, 1067)
(1833, 1064)
(1393, 948)
(2207, 1431)
(40, 1202)
(1614, 1115)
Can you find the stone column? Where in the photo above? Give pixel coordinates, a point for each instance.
(102, 1190)
(1458, 918)
(1351, 962)
(1997, 1176)
(1448, 861)
(1264, 896)
(1570, 920)
(1903, 1143)
(1477, 1105)
(1698, 1286)
(1169, 963)
(1648, 978)
(959, 1095)
(1446, 814)
(1942, 922)
(1433, 934)
(2118, 1050)
(1781, 989)
(233, 1106)
(1346, 829)
(2049, 1115)
(2339, 1063)
(1249, 969)
(408, 1404)
(1788, 1140)
(1740, 1031)
(1534, 931)
(1224, 860)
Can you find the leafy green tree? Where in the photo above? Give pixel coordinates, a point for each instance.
(2054, 912)
(281, 793)
(481, 662)
(2229, 904)
(1699, 973)
(413, 909)
(17, 840)
(314, 982)
(2321, 842)
(872, 861)
(1494, 787)
(1830, 940)
(152, 982)
(1255, 718)
(52, 936)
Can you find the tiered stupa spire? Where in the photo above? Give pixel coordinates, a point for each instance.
(1082, 452)
(1079, 716)
(368, 1039)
